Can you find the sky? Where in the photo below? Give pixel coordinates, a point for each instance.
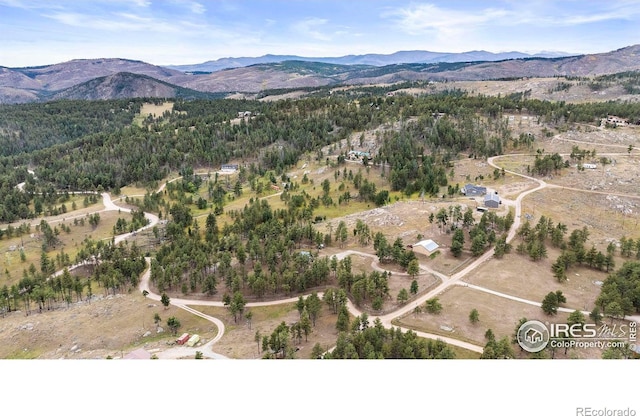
(171, 32)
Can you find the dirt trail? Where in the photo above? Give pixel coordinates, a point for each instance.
(388, 319)
(446, 281)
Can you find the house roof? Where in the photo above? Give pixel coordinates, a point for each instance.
(474, 189)
(428, 245)
(492, 197)
(471, 186)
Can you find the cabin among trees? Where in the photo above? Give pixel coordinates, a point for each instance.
(358, 155)
(615, 121)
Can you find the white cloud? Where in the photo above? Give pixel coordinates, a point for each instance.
(432, 19)
(309, 28)
(428, 18)
(28, 4)
(123, 21)
(193, 6)
(621, 13)
(17, 3)
(175, 31)
(141, 3)
(198, 8)
(542, 13)
(117, 22)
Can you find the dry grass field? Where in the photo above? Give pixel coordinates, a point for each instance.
(79, 212)
(239, 339)
(397, 281)
(153, 110)
(498, 314)
(517, 275)
(607, 217)
(70, 243)
(106, 326)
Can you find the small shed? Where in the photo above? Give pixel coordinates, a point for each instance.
(492, 200)
(229, 168)
(193, 340)
(426, 247)
(183, 338)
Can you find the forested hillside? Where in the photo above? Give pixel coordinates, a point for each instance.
(28, 127)
(82, 146)
(252, 250)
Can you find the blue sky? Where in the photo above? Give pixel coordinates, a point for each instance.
(38, 32)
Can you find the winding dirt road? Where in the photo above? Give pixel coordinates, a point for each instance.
(446, 281)
(387, 320)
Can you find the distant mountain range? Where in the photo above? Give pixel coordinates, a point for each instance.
(402, 57)
(93, 79)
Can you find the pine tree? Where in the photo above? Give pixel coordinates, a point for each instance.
(414, 287)
(474, 316)
(550, 304)
(342, 324)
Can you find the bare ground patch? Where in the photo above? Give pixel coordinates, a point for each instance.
(518, 276)
(607, 217)
(239, 338)
(70, 243)
(536, 88)
(619, 175)
(106, 326)
(155, 110)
